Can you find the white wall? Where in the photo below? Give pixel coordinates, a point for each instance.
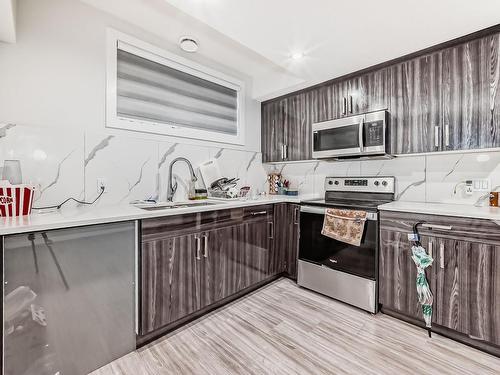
(54, 76)
(8, 21)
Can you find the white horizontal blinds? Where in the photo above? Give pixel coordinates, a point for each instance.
(150, 91)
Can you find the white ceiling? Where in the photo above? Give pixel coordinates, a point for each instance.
(337, 37)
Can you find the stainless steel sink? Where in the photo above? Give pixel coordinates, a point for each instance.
(169, 206)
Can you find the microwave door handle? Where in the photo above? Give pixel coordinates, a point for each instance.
(361, 145)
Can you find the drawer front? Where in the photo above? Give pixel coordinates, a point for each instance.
(184, 224)
(467, 229)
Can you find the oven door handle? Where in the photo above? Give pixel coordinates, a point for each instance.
(321, 211)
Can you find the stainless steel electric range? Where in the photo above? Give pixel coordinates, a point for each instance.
(337, 269)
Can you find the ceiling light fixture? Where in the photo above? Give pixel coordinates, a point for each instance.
(188, 44)
(297, 55)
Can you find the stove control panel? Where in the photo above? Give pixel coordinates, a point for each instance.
(364, 184)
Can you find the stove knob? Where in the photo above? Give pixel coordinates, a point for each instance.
(377, 183)
(384, 183)
(336, 182)
(330, 182)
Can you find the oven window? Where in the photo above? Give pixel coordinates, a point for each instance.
(337, 138)
(325, 251)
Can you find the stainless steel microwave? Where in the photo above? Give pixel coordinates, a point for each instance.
(361, 135)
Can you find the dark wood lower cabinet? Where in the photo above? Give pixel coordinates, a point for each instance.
(170, 281)
(286, 242)
(464, 276)
(181, 275)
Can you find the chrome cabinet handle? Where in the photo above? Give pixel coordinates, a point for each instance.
(271, 230)
(350, 104)
(436, 226)
(360, 135)
(198, 247)
(296, 215)
(441, 255)
(282, 152)
(205, 250)
(447, 135)
(430, 248)
(436, 136)
(285, 149)
(255, 213)
(344, 106)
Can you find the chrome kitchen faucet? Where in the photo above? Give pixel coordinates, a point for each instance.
(172, 187)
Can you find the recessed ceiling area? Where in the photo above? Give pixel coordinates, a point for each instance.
(334, 37)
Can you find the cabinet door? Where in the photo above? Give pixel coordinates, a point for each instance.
(397, 274)
(286, 239)
(272, 131)
(297, 127)
(256, 246)
(170, 275)
(68, 299)
(471, 95)
(414, 105)
(467, 288)
(216, 281)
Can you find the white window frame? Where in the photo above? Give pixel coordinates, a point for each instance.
(153, 53)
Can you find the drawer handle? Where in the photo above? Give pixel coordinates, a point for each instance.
(271, 230)
(259, 213)
(430, 248)
(441, 255)
(435, 226)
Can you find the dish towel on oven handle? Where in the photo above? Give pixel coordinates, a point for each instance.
(344, 225)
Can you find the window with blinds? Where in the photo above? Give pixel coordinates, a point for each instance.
(155, 91)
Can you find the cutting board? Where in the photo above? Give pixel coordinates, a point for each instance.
(210, 172)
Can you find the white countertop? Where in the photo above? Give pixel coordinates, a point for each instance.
(89, 215)
(458, 210)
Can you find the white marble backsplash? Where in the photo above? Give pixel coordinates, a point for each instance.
(437, 178)
(64, 163)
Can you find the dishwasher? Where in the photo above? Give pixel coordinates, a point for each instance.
(69, 299)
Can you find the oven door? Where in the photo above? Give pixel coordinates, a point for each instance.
(324, 251)
(342, 137)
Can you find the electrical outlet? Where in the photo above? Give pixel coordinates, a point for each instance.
(101, 183)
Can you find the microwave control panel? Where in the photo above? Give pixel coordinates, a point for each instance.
(374, 133)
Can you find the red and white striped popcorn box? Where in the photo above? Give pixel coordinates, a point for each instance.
(16, 200)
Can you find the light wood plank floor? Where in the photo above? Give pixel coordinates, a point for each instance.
(284, 329)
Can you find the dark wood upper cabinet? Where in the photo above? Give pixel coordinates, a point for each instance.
(443, 100)
(286, 128)
(471, 95)
(272, 132)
